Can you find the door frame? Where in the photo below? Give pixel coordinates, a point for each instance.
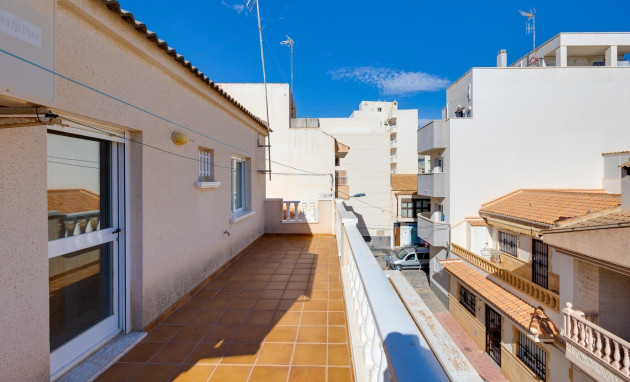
(119, 323)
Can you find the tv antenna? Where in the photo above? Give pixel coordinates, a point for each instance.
(250, 5)
(289, 42)
(530, 25)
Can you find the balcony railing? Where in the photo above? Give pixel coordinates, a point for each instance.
(435, 232)
(598, 343)
(432, 137)
(299, 212)
(432, 184)
(387, 345)
(519, 283)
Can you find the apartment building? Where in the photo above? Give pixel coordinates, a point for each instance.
(382, 142)
(556, 258)
(541, 122)
(509, 295)
(407, 204)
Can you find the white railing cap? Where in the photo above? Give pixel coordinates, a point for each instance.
(346, 216)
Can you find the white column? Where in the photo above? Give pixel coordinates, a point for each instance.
(611, 55)
(561, 56)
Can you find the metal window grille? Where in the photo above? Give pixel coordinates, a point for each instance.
(532, 356)
(467, 299)
(205, 166)
(540, 263)
(341, 178)
(508, 243)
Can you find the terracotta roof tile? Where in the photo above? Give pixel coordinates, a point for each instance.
(516, 309)
(550, 206)
(610, 217)
(404, 182)
(139, 26)
(475, 221)
(72, 200)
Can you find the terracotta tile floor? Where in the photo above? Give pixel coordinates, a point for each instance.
(277, 314)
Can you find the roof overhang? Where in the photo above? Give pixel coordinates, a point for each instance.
(341, 150)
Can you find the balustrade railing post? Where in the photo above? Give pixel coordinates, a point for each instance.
(616, 356)
(606, 349)
(625, 370)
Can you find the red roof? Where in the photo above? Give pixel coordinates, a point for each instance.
(73, 200)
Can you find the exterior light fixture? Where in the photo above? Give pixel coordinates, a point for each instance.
(180, 138)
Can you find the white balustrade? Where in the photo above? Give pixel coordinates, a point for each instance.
(299, 212)
(599, 343)
(387, 344)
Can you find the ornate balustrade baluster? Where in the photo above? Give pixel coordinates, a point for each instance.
(616, 355)
(625, 370)
(606, 349)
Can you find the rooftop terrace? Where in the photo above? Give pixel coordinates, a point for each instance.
(276, 314)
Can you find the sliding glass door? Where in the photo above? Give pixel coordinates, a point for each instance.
(83, 250)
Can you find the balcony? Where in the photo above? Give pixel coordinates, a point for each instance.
(432, 184)
(432, 231)
(296, 308)
(432, 137)
(601, 354)
(536, 292)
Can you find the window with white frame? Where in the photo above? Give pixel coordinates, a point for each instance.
(206, 165)
(239, 184)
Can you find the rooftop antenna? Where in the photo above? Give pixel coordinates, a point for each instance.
(250, 5)
(530, 25)
(289, 42)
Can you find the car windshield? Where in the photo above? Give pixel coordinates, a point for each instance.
(404, 253)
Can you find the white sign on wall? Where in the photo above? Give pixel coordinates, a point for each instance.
(27, 40)
(19, 28)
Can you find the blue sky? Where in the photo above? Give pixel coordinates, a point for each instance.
(348, 51)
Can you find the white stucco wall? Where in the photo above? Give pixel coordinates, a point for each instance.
(177, 234)
(535, 128)
(307, 149)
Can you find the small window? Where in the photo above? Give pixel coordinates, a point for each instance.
(411, 257)
(534, 357)
(422, 205)
(206, 165)
(406, 209)
(379, 109)
(467, 299)
(508, 243)
(239, 185)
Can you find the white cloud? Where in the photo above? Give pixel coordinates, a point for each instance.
(391, 81)
(238, 8)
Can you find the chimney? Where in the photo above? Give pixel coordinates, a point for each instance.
(502, 59)
(625, 186)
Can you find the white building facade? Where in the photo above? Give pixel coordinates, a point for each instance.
(382, 142)
(534, 124)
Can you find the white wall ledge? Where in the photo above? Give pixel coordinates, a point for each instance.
(240, 216)
(202, 185)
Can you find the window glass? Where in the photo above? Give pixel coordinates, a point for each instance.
(467, 299)
(80, 292)
(206, 165)
(79, 185)
(238, 184)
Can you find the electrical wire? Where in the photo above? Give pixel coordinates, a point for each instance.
(129, 104)
(74, 165)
